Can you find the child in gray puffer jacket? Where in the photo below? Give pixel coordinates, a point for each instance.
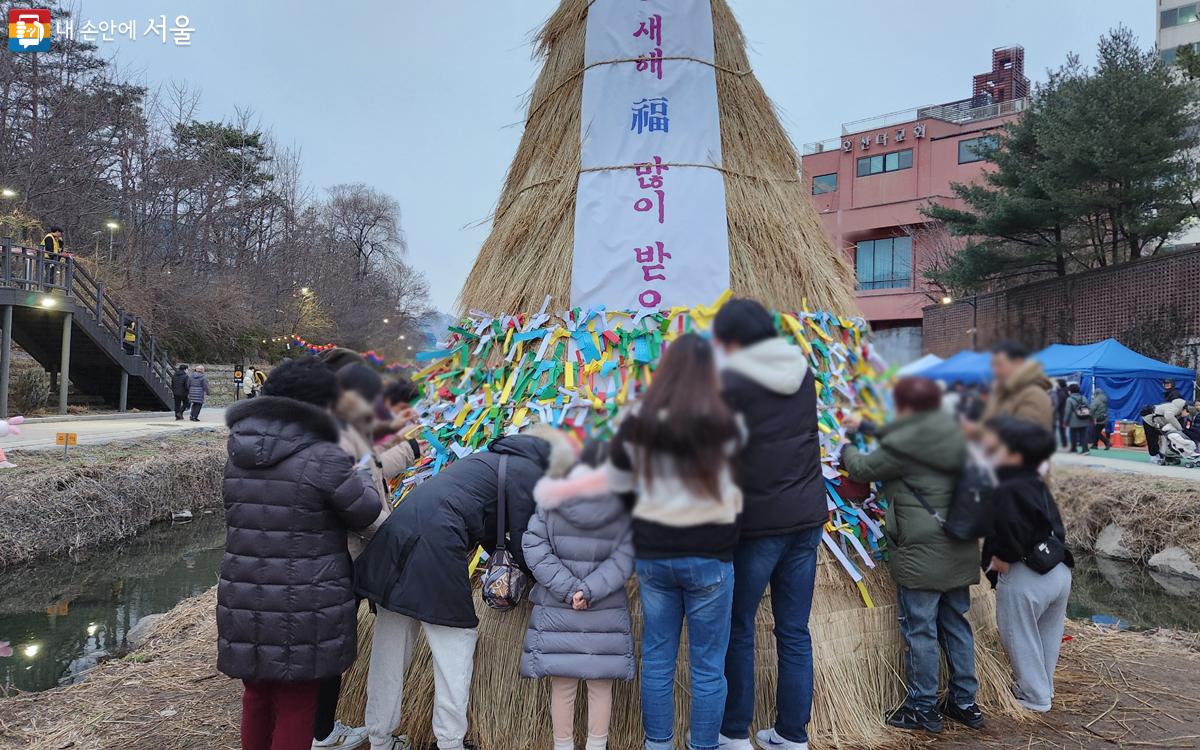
(579, 546)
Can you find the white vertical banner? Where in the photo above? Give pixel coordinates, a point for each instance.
(650, 220)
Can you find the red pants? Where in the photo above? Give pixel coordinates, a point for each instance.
(278, 715)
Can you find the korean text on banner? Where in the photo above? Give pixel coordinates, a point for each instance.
(650, 219)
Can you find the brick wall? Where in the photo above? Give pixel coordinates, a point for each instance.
(1151, 306)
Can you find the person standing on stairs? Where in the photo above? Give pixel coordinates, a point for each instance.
(179, 389)
(52, 245)
(197, 390)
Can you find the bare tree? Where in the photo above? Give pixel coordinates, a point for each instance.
(368, 221)
(216, 232)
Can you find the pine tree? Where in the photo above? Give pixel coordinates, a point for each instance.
(1097, 172)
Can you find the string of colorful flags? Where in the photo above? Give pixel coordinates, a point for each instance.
(576, 370)
(370, 355)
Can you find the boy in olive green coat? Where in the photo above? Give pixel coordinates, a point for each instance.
(922, 452)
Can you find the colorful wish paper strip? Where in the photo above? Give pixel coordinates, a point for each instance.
(577, 369)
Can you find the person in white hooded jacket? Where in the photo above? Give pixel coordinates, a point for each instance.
(767, 381)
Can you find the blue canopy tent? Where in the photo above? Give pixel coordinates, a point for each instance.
(924, 363)
(1130, 379)
(965, 367)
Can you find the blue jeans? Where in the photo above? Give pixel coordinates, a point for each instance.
(789, 564)
(699, 589)
(927, 619)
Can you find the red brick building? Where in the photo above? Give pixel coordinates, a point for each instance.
(870, 183)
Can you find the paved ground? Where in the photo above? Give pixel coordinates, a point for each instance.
(1134, 461)
(38, 435)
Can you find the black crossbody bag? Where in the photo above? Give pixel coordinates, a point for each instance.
(1048, 553)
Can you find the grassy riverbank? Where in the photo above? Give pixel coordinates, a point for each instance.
(1153, 512)
(50, 508)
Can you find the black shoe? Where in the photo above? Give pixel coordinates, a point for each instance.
(912, 719)
(970, 716)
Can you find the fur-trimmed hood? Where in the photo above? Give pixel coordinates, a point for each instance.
(582, 497)
(264, 431)
(561, 454)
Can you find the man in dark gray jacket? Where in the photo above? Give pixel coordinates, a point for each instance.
(286, 611)
(415, 571)
(767, 381)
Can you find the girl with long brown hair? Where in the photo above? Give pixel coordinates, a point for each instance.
(672, 454)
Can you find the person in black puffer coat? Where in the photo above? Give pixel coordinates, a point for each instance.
(415, 571)
(179, 389)
(286, 611)
(767, 380)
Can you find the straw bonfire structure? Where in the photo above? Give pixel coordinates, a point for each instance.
(778, 253)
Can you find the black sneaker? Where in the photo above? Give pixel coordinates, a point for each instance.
(970, 716)
(912, 719)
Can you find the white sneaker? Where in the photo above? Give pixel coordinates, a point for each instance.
(769, 739)
(724, 743)
(342, 738)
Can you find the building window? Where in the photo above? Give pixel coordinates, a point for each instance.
(1178, 16)
(884, 264)
(1168, 55)
(824, 183)
(893, 162)
(975, 149)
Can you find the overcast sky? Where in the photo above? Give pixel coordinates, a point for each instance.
(425, 100)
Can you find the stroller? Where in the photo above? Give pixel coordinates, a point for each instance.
(1174, 447)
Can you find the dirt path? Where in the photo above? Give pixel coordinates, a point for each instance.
(1115, 690)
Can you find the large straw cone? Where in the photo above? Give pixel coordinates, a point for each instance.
(778, 252)
(857, 677)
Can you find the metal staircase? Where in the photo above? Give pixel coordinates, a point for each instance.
(60, 315)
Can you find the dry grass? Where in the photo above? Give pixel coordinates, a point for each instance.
(1154, 512)
(857, 675)
(52, 508)
(1113, 690)
(778, 252)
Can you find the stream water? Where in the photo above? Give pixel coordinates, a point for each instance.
(60, 618)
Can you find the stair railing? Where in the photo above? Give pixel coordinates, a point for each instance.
(36, 270)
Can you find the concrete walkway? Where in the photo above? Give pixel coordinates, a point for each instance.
(1117, 461)
(94, 430)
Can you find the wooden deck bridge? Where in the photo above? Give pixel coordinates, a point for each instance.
(61, 316)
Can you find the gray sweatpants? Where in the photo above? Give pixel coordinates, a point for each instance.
(392, 646)
(1030, 612)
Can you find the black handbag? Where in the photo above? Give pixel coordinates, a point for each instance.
(504, 583)
(1048, 553)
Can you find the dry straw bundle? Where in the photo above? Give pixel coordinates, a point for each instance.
(778, 252)
(858, 674)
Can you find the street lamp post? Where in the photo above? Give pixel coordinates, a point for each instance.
(974, 303)
(112, 228)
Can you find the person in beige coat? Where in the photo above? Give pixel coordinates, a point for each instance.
(1020, 388)
(355, 418)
